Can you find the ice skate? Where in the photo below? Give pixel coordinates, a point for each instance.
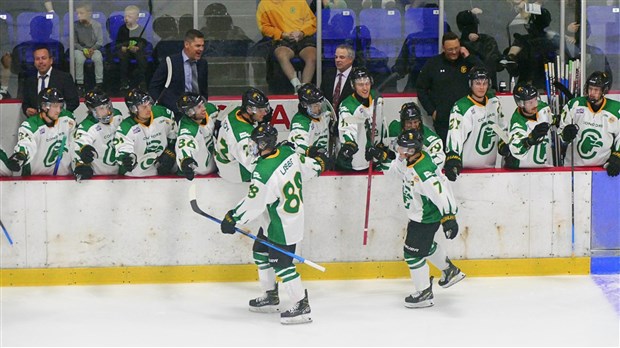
(421, 299)
(450, 276)
(299, 314)
(268, 303)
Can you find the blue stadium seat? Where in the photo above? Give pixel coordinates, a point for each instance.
(23, 24)
(117, 19)
(385, 29)
(337, 27)
(100, 17)
(604, 33)
(422, 27)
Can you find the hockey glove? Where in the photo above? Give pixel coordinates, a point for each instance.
(347, 150)
(187, 167)
(228, 223)
(128, 162)
(83, 171)
(453, 166)
(216, 128)
(322, 159)
(569, 133)
(314, 151)
(450, 227)
(16, 161)
(613, 164)
(536, 135)
(88, 153)
(165, 162)
(503, 149)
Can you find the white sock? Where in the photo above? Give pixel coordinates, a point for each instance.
(438, 258)
(295, 82)
(295, 290)
(267, 278)
(420, 277)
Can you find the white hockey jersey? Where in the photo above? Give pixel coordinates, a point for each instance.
(536, 156)
(196, 141)
(234, 161)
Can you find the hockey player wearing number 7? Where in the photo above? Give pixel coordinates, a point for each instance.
(429, 203)
(593, 123)
(276, 186)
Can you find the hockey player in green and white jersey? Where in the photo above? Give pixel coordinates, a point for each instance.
(4, 160)
(310, 125)
(411, 118)
(354, 128)
(194, 145)
(529, 141)
(144, 141)
(593, 122)
(93, 140)
(471, 141)
(277, 183)
(42, 138)
(234, 161)
(429, 202)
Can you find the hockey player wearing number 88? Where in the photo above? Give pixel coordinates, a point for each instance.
(310, 125)
(144, 142)
(471, 141)
(429, 203)
(593, 123)
(194, 145)
(93, 140)
(42, 138)
(276, 186)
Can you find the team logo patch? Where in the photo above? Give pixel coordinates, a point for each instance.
(98, 128)
(463, 69)
(42, 131)
(136, 130)
(612, 119)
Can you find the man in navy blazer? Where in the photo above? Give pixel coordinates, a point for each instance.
(51, 77)
(189, 73)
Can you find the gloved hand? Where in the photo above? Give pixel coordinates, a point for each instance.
(453, 166)
(503, 149)
(313, 151)
(347, 150)
(83, 171)
(613, 164)
(228, 223)
(88, 153)
(128, 161)
(322, 159)
(450, 227)
(165, 162)
(569, 133)
(16, 161)
(537, 134)
(379, 152)
(187, 167)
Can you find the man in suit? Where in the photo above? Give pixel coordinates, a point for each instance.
(189, 73)
(47, 77)
(336, 84)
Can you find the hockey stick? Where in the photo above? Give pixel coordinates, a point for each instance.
(61, 151)
(6, 233)
(562, 88)
(373, 127)
(168, 79)
(197, 210)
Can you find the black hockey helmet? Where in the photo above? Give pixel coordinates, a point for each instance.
(410, 141)
(96, 98)
(479, 73)
(265, 136)
(360, 73)
(48, 96)
(410, 111)
(598, 79)
(136, 97)
(309, 94)
(188, 101)
(523, 93)
(254, 98)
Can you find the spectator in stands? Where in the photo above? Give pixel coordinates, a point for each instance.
(186, 22)
(131, 45)
(189, 73)
(5, 60)
(292, 27)
(222, 37)
(329, 4)
(88, 41)
(167, 29)
(47, 77)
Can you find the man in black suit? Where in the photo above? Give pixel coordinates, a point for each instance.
(336, 84)
(189, 73)
(47, 77)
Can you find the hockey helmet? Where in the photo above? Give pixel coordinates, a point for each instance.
(410, 112)
(265, 137)
(136, 97)
(188, 102)
(310, 99)
(49, 96)
(523, 93)
(360, 74)
(409, 142)
(99, 105)
(478, 73)
(254, 99)
(599, 79)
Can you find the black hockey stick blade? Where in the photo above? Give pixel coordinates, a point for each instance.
(563, 89)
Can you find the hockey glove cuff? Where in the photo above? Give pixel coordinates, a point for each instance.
(228, 223)
(503, 149)
(88, 154)
(83, 171)
(188, 165)
(165, 162)
(450, 227)
(347, 150)
(322, 159)
(453, 166)
(569, 133)
(128, 161)
(16, 161)
(613, 164)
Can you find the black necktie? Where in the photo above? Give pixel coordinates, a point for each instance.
(337, 90)
(42, 82)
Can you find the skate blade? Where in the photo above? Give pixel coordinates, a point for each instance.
(454, 280)
(423, 304)
(300, 319)
(265, 309)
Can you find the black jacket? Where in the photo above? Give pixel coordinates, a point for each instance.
(58, 79)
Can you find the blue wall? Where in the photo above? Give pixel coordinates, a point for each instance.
(605, 222)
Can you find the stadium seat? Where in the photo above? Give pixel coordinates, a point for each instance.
(385, 29)
(23, 25)
(10, 39)
(337, 27)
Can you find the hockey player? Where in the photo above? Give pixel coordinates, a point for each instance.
(144, 141)
(310, 127)
(44, 137)
(194, 145)
(356, 116)
(4, 160)
(592, 121)
(277, 187)
(429, 202)
(93, 140)
(234, 161)
(529, 145)
(411, 118)
(471, 141)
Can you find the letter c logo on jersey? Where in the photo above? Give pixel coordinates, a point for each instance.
(589, 142)
(486, 139)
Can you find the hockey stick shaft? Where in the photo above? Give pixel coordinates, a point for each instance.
(193, 202)
(373, 127)
(6, 233)
(168, 79)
